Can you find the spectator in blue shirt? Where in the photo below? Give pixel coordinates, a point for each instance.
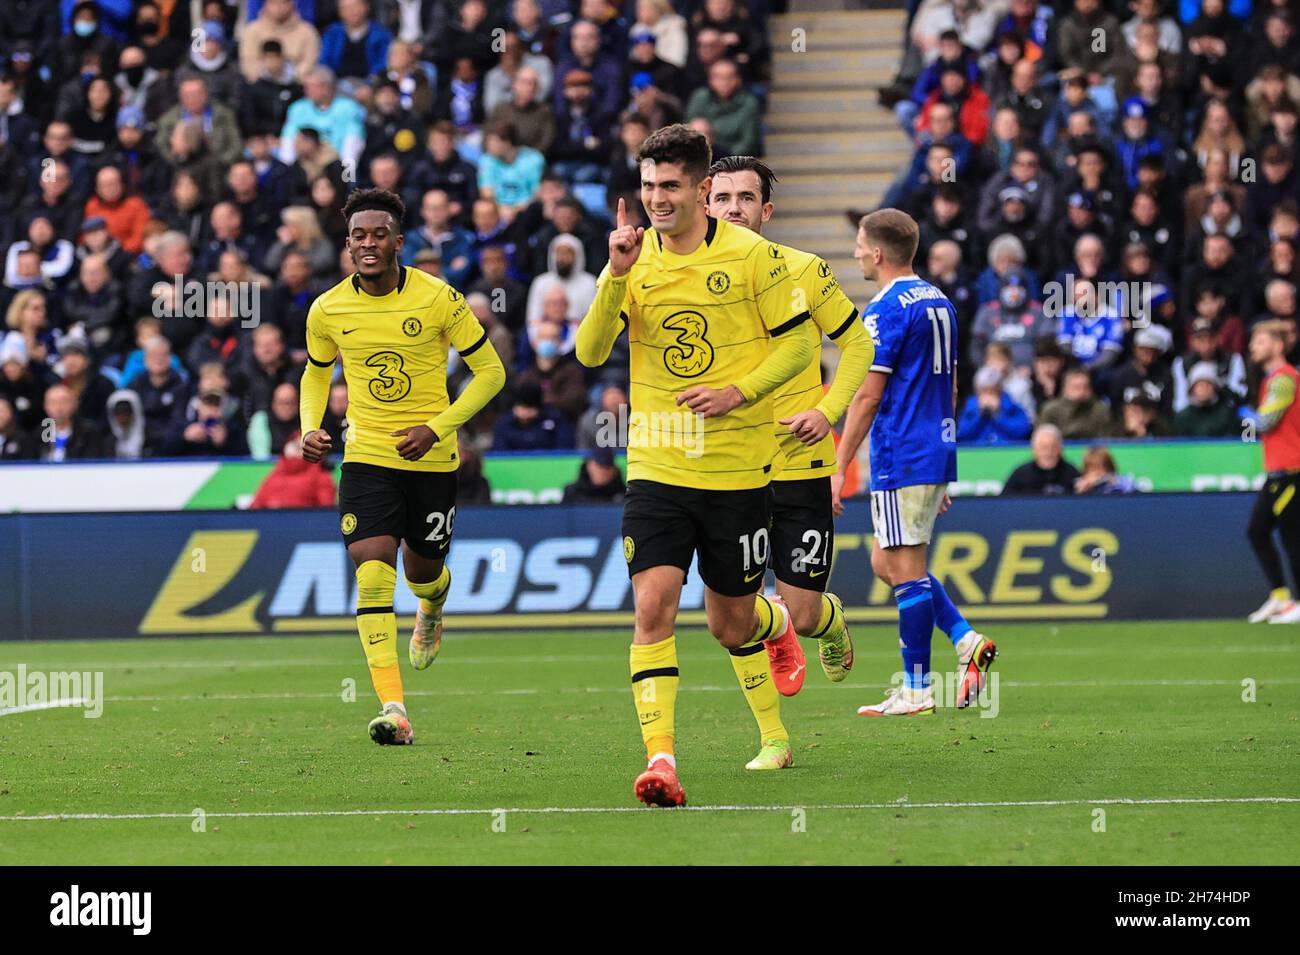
(990, 415)
(951, 51)
(1091, 330)
(512, 171)
(585, 55)
(532, 425)
(1136, 139)
(1189, 10)
(438, 231)
(340, 121)
(1006, 255)
(164, 395)
(356, 46)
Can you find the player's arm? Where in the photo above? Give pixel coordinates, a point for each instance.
(488, 376)
(886, 339)
(607, 316)
(861, 414)
(604, 321)
(790, 354)
(314, 389)
(857, 425)
(791, 349)
(1277, 399)
(838, 318)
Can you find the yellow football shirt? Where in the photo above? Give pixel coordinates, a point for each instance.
(706, 318)
(833, 313)
(394, 351)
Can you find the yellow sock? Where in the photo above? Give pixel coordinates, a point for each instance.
(654, 690)
(434, 593)
(831, 622)
(771, 618)
(1282, 593)
(750, 664)
(377, 627)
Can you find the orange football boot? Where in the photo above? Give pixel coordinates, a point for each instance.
(658, 786)
(785, 657)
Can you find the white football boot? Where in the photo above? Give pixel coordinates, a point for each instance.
(902, 701)
(426, 638)
(1289, 615)
(1271, 608)
(975, 656)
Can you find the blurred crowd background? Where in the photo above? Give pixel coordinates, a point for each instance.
(1106, 190)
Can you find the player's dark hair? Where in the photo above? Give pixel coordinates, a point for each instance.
(678, 143)
(748, 164)
(365, 200)
(893, 231)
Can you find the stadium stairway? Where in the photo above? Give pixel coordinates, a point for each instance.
(831, 144)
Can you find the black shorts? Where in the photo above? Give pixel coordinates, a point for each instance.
(803, 532)
(665, 525)
(418, 507)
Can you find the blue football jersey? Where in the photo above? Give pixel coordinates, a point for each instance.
(914, 435)
(1087, 337)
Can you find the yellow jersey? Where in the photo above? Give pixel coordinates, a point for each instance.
(706, 318)
(394, 351)
(834, 315)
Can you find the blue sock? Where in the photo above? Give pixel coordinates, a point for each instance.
(946, 615)
(915, 627)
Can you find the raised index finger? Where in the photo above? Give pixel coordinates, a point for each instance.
(620, 219)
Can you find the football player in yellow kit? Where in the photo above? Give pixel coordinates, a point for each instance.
(714, 329)
(392, 326)
(803, 531)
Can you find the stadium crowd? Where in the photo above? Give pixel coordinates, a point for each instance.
(1107, 191)
(157, 154)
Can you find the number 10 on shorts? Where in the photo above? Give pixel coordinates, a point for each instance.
(754, 548)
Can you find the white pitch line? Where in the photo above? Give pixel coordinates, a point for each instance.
(538, 691)
(595, 810)
(697, 688)
(50, 705)
(505, 660)
(277, 664)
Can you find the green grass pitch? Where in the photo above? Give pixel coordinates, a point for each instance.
(1089, 714)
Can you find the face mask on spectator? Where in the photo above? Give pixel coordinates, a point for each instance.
(85, 27)
(548, 349)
